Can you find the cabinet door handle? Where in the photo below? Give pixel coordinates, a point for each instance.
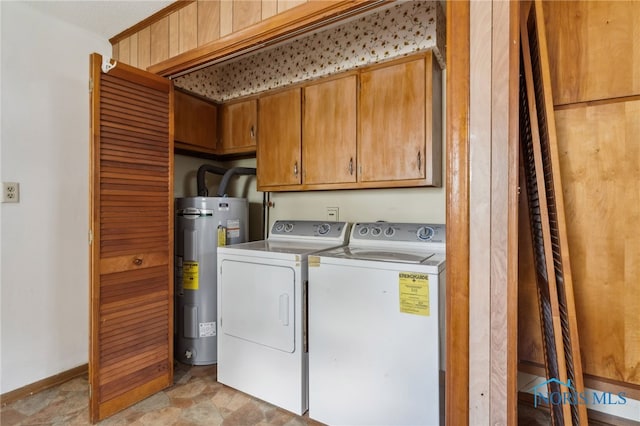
(419, 161)
(295, 169)
(252, 132)
(137, 261)
(351, 166)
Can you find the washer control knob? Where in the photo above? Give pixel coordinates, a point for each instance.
(375, 231)
(424, 233)
(324, 229)
(363, 231)
(279, 227)
(389, 232)
(288, 227)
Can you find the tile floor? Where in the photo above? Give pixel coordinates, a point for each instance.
(195, 399)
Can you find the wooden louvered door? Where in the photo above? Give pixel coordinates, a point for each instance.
(543, 185)
(131, 265)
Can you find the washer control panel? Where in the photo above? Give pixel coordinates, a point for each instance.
(308, 228)
(398, 232)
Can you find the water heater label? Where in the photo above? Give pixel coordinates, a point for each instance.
(207, 329)
(233, 228)
(414, 293)
(189, 275)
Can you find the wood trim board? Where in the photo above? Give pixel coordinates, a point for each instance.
(457, 215)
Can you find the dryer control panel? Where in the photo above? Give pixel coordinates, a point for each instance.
(398, 232)
(296, 229)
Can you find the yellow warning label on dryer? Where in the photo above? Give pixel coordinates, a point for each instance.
(414, 293)
(190, 275)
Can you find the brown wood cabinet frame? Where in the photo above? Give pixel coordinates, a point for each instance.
(432, 120)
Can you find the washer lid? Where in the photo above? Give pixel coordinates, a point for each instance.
(380, 255)
(294, 247)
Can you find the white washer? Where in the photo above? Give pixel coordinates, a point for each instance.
(376, 327)
(262, 346)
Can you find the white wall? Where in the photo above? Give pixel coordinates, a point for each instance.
(45, 147)
(369, 205)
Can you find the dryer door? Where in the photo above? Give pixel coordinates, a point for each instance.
(257, 303)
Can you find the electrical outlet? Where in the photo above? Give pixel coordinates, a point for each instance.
(332, 214)
(10, 192)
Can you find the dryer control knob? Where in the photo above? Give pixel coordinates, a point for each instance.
(288, 227)
(324, 229)
(279, 227)
(424, 233)
(375, 231)
(389, 232)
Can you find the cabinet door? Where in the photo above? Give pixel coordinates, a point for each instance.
(278, 152)
(392, 122)
(239, 123)
(329, 132)
(195, 123)
(131, 264)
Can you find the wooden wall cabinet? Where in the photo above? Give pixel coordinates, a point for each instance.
(238, 127)
(329, 132)
(399, 129)
(279, 157)
(196, 123)
(375, 128)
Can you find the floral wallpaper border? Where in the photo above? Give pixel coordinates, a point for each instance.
(405, 28)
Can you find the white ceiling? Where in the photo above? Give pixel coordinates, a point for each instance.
(103, 17)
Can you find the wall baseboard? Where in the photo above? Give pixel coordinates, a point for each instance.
(40, 385)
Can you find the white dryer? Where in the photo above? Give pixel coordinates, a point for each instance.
(376, 327)
(262, 311)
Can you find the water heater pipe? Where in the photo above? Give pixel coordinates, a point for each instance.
(202, 187)
(222, 188)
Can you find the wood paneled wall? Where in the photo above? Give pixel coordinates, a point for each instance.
(594, 49)
(595, 70)
(186, 25)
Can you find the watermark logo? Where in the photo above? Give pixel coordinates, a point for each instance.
(565, 393)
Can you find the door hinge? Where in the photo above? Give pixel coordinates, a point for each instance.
(107, 65)
(90, 236)
(91, 85)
